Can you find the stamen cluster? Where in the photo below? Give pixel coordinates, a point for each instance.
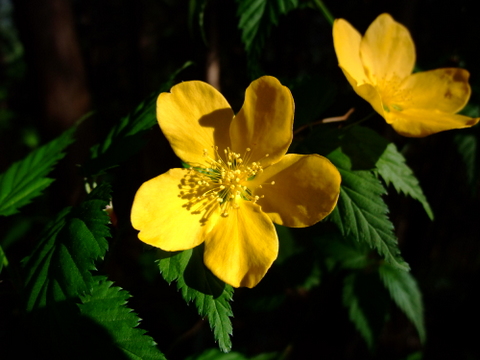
(221, 181)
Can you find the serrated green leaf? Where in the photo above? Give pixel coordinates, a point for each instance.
(26, 178)
(257, 18)
(370, 151)
(404, 290)
(126, 137)
(361, 212)
(105, 306)
(59, 268)
(394, 170)
(210, 295)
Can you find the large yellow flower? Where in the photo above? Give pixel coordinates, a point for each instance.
(240, 179)
(379, 67)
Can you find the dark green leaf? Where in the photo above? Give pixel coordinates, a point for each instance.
(105, 306)
(361, 212)
(257, 18)
(367, 304)
(59, 268)
(26, 178)
(127, 137)
(196, 283)
(404, 291)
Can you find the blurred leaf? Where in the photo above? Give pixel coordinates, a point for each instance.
(367, 304)
(256, 20)
(26, 178)
(467, 146)
(59, 268)
(196, 10)
(405, 292)
(196, 283)
(393, 169)
(361, 212)
(3, 260)
(105, 305)
(127, 137)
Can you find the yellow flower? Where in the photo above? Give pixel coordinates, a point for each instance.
(240, 179)
(379, 67)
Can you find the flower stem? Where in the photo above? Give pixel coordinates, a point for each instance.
(326, 13)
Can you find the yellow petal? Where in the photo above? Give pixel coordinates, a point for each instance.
(265, 122)
(194, 116)
(387, 50)
(346, 41)
(446, 90)
(367, 92)
(420, 122)
(160, 214)
(306, 190)
(242, 246)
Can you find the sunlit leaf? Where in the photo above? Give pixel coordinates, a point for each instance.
(197, 284)
(361, 212)
(26, 178)
(105, 305)
(405, 292)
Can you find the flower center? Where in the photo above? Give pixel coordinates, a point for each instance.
(222, 182)
(393, 94)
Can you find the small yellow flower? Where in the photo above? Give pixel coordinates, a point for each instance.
(239, 182)
(379, 67)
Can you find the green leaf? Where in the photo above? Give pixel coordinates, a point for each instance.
(105, 306)
(393, 169)
(196, 283)
(361, 212)
(405, 292)
(26, 178)
(126, 137)
(368, 150)
(59, 268)
(367, 304)
(257, 18)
